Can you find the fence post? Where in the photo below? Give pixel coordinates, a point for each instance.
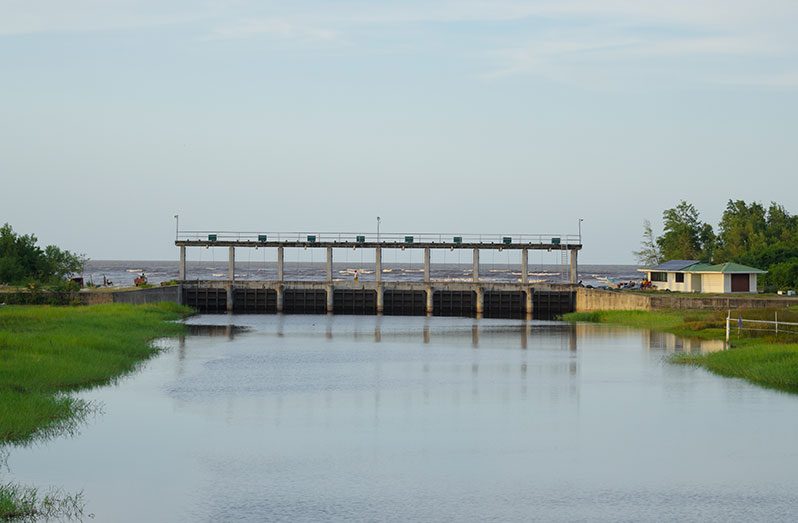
(777, 323)
(728, 328)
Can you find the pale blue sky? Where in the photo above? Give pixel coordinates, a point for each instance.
(473, 116)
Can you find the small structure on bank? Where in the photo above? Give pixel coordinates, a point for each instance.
(696, 276)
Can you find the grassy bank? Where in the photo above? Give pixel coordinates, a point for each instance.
(47, 352)
(766, 360)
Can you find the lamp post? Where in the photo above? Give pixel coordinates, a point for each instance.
(378, 229)
(177, 226)
(580, 230)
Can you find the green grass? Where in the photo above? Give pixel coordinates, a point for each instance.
(19, 503)
(48, 352)
(760, 358)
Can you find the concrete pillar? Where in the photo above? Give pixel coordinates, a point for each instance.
(330, 292)
(380, 299)
(475, 270)
(280, 298)
(574, 266)
(378, 267)
(480, 308)
(181, 267)
(524, 266)
(229, 296)
(231, 276)
(280, 263)
(530, 294)
(329, 271)
(427, 257)
(430, 294)
(231, 264)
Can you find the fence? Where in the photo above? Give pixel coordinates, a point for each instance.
(776, 327)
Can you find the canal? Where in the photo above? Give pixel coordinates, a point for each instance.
(307, 418)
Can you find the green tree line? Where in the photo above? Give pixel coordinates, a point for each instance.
(751, 234)
(23, 262)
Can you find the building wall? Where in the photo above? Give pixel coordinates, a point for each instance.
(714, 282)
(672, 284)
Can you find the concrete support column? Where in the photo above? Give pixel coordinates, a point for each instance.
(329, 271)
(280, 298)
(480, 308)
(229, 296)
(574, 266)
(380, 299)
(524, 266)
(231, 276)
(530, 294)
(475, 270)
(427, 256)
(330, 302)
(280, 263)
(430, 294)
(181, 267)
(378, 268)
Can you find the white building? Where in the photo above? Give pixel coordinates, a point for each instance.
(694, 276)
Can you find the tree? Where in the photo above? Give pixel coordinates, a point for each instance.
(649, 254)
(21, 260)
(743, 229)
(685, 236)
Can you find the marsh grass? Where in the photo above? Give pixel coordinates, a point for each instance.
(762, 358)
(23, 503)
(48, 352)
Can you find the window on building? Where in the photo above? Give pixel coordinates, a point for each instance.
(659, 276)
(679, 277)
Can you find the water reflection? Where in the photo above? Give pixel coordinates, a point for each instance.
(390, 418)
(672, 343)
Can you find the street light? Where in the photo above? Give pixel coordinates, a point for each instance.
(580, 230)
(177, 226)
(378, 229)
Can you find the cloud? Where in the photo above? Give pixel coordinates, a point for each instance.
(272, 27)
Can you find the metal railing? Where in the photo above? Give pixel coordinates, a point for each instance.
(364, 237)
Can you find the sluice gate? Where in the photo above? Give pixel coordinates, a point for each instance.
(211, 298)
(413, 298)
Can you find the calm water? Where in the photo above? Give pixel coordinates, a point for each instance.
(305, 418)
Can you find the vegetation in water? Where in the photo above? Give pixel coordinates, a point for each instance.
(23, 262)
(760, 357)
(22, 503)
(48, 352)
(751, 234)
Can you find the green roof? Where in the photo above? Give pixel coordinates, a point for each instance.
(728, 267)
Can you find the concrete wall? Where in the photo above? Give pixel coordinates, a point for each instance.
(600, 300)
(596, 299)
(134, 296)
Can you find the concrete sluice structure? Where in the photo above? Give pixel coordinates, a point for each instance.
(440, 298)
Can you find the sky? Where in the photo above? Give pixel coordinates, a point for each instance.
(438, 116)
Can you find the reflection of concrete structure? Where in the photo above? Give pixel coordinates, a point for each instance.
(694, 276)
(670, 342)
